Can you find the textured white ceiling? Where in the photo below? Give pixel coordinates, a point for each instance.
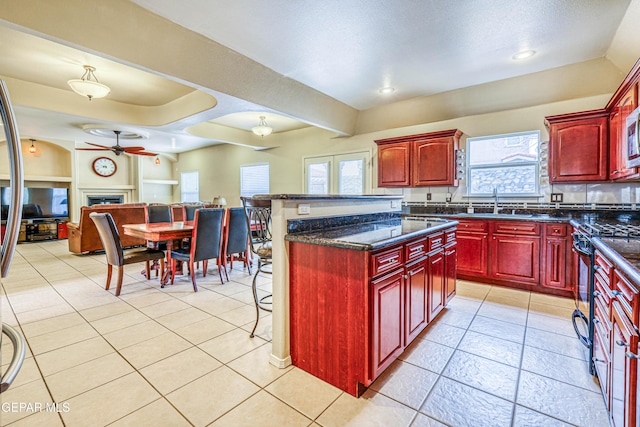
(349, 49)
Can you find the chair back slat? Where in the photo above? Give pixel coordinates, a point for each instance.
(237, 231)
(190, 211)
(207, 238)
(159, 213)
(109, 236)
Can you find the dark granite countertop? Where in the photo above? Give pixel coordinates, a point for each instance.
(325, 197)
(498, 216)
(372, 235)
(624, 253)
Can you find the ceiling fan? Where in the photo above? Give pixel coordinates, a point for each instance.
(118, 149)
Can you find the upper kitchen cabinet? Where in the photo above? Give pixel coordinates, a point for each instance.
(578, 147)
(622, 103)
(393, 164)
(422, 160)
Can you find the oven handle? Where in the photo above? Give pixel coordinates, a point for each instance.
(577, 314)
(579, 249)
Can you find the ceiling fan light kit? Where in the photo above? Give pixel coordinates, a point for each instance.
(88, 85)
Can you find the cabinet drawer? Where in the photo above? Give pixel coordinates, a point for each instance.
(559, 230)
(627, 295)
(603, 266)
(602, 318)
(516, 227)
(436, 241)
(602, 292)
(385, 261)
(601, 362)
(473, 226)
(449, 236)
(415, 249)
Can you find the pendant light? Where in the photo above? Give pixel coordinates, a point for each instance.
(88, 85)
(263, 129)
(157, 160)
(32, 149)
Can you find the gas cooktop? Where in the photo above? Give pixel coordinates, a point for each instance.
(606, 229)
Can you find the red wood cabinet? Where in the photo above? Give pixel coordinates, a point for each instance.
(388, 320)
(618, 137)
(393, 164)
(578, 147)
(437, 282)
(557, 256)
(624, 369)
(434, 162)
(418, 160)
(515, 258)
(450, 263)
(473, 248)
(353, 312)
(416, 298)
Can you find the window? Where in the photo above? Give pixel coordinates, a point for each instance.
(338, 174)
(254, 179)
(189, 187)
(507, 163)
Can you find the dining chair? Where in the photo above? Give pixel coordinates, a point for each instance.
(206, 244)
(236, 242)
(158, 213)
(116, 256)
(258, 219)
(189, 211)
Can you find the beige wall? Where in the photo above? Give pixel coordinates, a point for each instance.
(219, 165)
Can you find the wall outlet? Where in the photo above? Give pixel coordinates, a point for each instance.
(556, 197)
(449, 195)
(304, 209)
(395, 204)
(428, 196)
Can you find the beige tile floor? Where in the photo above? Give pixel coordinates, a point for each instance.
(172, 357)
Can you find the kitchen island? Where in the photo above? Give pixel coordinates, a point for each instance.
(361, 292)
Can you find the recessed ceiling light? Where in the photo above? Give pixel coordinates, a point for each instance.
(524, 54)
(387, 89)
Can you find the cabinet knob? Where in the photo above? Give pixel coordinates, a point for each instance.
(631, 355)
(621, 343)
(515, 228)
(405, 277)
(616, 293)
(596, 267)
(595, 359)
(596, 294)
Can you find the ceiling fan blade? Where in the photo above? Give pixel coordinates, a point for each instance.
(143, 153)
(95, 149)
(133, 148)
(98, 145)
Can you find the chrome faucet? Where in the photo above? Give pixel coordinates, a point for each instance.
(496, 209)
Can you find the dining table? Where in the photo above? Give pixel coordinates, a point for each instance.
(162, 232)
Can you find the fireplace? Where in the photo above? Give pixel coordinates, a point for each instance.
(102, 200)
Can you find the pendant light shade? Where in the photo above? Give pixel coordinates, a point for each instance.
(32, 149)
(88, 85)
(263, 129)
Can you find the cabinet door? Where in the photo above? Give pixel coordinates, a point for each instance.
(436, 283)
(623, 368)
(515, 258)
(472, 254)
(617, 136)
(578, 151)
(450, 263)
(416, 299)
(393, 165)
(388, 320)
(555, 263)
(434, 162)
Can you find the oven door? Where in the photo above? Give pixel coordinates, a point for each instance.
(583, 314)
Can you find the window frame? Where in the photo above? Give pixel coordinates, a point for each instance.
(534, 163)
(242, 167)
(182, 192)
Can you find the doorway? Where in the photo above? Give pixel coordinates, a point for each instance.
(348, 173)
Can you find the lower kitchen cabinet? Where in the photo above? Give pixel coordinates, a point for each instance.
(624, 368)
(529, 255)
(388, 320)
(354, 312)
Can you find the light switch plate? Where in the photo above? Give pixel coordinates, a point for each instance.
(428, 196)
(395, 204)
(304, 209)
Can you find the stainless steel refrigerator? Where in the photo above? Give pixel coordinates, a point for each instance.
(14, 216)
